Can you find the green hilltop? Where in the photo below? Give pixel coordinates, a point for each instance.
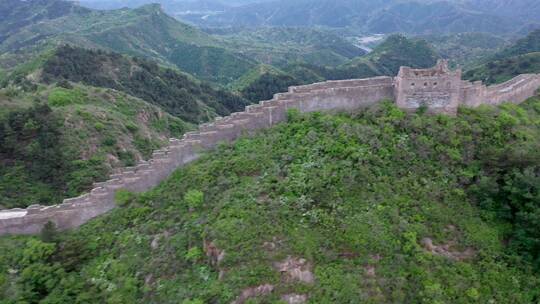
(379, 207)
(178, 94)
(374, 206)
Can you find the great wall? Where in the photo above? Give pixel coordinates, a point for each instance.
(438, 89)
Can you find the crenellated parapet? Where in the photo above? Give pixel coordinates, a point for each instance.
(73, 212)
(342, 95)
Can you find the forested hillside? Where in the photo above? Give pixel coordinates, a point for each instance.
(147, 31)
(386, 58)
(58, 140)
(525, 45)
(374, 206)
(181, 96)
(281, 46)
(378, 207)
(520, 58)
(502, 70)
(466, 49)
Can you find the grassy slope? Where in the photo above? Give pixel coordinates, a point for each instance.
(263, 82)
(248, 78)
(354, 195)
(100, 129)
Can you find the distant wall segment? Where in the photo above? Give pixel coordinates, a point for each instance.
(340, 95)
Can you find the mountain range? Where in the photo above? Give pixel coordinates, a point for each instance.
(146, 32)
(376, 16)
(375, 205)
(30, 27)
(162, 66)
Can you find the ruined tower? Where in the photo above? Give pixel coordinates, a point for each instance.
(437, 88)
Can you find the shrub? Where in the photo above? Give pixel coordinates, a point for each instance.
(99, 126)
(123, 197)
(49, 233)
(60, 97)
(127, 158)
(194, 254)
(144, 145)
(193, 301)
(108, 141)
(64, 84)
(194, 199)
(131, 127)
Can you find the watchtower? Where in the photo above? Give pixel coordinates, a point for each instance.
(437, 88)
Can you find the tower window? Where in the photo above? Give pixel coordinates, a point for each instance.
(425, 84)
(412, 84)
(435, 84)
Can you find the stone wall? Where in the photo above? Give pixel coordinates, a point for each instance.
(514, 90)
(341, 95)
(332, 95)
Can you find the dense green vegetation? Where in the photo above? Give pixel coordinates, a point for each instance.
(357, 196)
(55, 142)
(281, 46)
(32, 157)
(266, 85)
(528, 44)
(502, 70)
(174, 92)
(520, 58)
(378, 206)
(464, 49)
(146, 32)
(385, 59)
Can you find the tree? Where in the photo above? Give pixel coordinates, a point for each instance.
(49, 233)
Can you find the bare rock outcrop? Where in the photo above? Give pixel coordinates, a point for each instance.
(253, 292)
(294, 298)
(296, 269)
(215, 254)
(157, 239)
(445, 250)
